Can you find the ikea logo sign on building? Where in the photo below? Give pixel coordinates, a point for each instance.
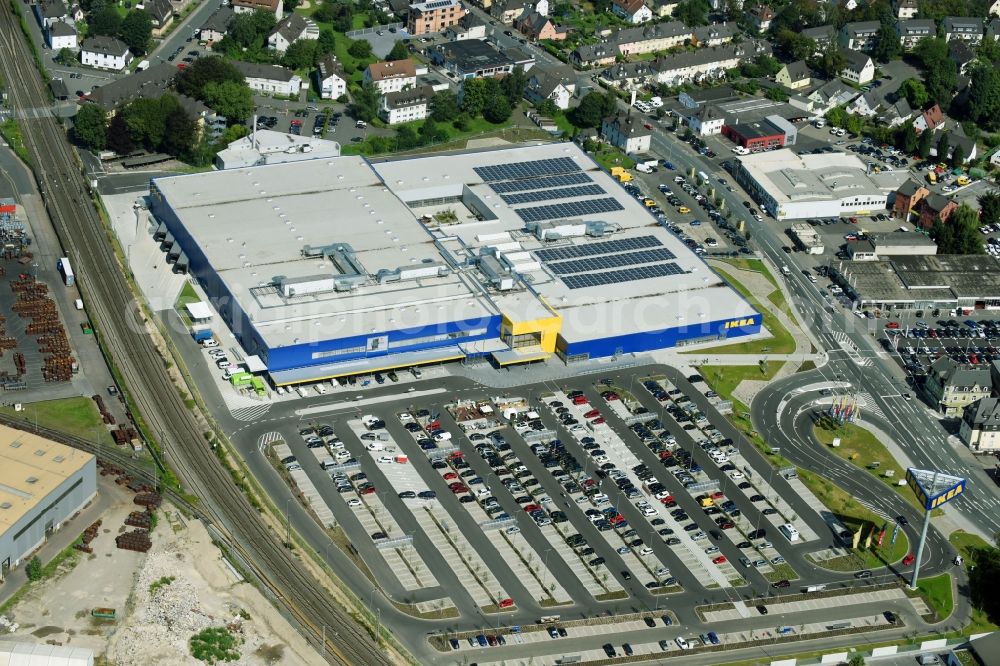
(739, 323)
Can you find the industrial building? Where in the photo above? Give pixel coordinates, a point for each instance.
(337, 267)
(898, 243)
(946, 281)
(807, 238)
(270, 147)
(770, 133)
(795, 187)
(42, 485)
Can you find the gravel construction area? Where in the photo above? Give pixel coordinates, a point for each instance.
(155, 619)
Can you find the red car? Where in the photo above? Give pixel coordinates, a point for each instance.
(892, 324)
(532, 507)
(598, 421)
(854, 220)
(669, 502)
(506, 603)
(449, 476)
(455, 456)
(727, 526)
(718, 495)
(647, 126)
(580, 400)
(368, 491)
(908, 560)
(721, 559)
(611, 397)
(617, 519)
(591, 414)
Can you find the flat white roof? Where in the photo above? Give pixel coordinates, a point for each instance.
(253, 223)
(199, 310)
(793, 178)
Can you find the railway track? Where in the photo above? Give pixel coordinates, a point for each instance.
(121, 325)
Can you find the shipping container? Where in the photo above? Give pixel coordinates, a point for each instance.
(201, 334)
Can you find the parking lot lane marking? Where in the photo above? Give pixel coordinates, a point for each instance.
(353, 404)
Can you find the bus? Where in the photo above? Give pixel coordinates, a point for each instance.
(790, 532)
(67, 272)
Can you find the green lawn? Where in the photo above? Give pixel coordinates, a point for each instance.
(73, 416)
(936, 591)
(354, 67)
(853, 514)
(862, 448)
(609, 157)
(965, 543)
(782, 341)
(476, 127)
(187, 295)
(725, 378)
(755, 265)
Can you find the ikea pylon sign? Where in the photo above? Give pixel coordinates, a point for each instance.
(932, 488)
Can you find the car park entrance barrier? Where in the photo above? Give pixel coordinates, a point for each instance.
(397, 542)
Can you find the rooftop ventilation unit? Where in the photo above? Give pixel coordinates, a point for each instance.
(550, 231)
(498, 274)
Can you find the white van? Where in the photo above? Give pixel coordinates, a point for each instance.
(442, 437)
(320, 389)
(374, 446)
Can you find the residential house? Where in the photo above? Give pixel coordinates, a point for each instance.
(473, 58)
(404, 106)
(331, 81)
(980, 428)
(401, 9)
(794, 75)
(217, 25)
(706, 64)
(291, 29)
(957, 138)
(630, 75)
(968, 29)
(906, 9)
(632, 11)
(275, 7)
(469, 26)
(912, 31)
(162, 14)
(831, 94)
(908, 197)
(707, 121)
(994, 8)
(537, 26)
(896, 114)
(208, 123)
(557, 85)
(61, 35)
(626, 131)
(961, 53)
(391, 75)
(865, 105)
(715, 34)
(593, 55)
(930, 118)
(993, 28)
(859, 35)
(76, 14)
(433, 16)
(59, 90)
(507, 11)
(650, 38)
(823, 36)
(269, 79)
(934, 207)
(50, 11)
(760, 17)
(859, 68)
(105, 53)
(954, 386)
(151, 82)
(665, 8)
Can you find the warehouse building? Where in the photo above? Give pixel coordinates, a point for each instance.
(768, 134)
(946, 281)
(42, 485)
(338, 266)
(807, 238)
(795, 187)
(898, 243)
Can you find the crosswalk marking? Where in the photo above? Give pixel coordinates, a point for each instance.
(267, 439)
(251, 413)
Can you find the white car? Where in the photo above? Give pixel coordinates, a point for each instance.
(646, 550)
(405, 417)
(208, 344)
(736, 475)
(384, 459)
(649, 511)
(354, 503)
(217, 353)
(682, 643)
(711, 549)
(223, 363)
(320, 389)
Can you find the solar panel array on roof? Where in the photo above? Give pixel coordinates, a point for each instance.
(626, 275)
(591, 249)
(549, 195)
(568, 209)
(562, 180)
(612, 261)
(523, 170)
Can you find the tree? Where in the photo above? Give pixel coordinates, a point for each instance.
(118, 137)
(830, 62)
(914, 92)
(887, 44)
(930, 50)
(856, 660)
(837, 116)
(909, 141)
(444, 107)
(233, 101)
(360, 49)
(514, 85)
(547, 107)
(777, 94)
(65, 57)
(473, 96)
(989, 207)
(34, 569)
(300, 54)
(497, 109)
(326, 44)
(943, 146)
(180, 133)
(983, 102)
(326, 12)
(989, 49)
(794, 44)
(431, 133)
(957, 156)
(406, 138)
(942, 80)
(853, 124)
(960, 234)
(90, 126)
(104, 21)
(590, 111)
(924, 144)
(137, 30)
(365, 104)
(692, 12)
(983, 578)
(210, 69)
(398, 52)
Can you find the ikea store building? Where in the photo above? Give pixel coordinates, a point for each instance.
(333, 267)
